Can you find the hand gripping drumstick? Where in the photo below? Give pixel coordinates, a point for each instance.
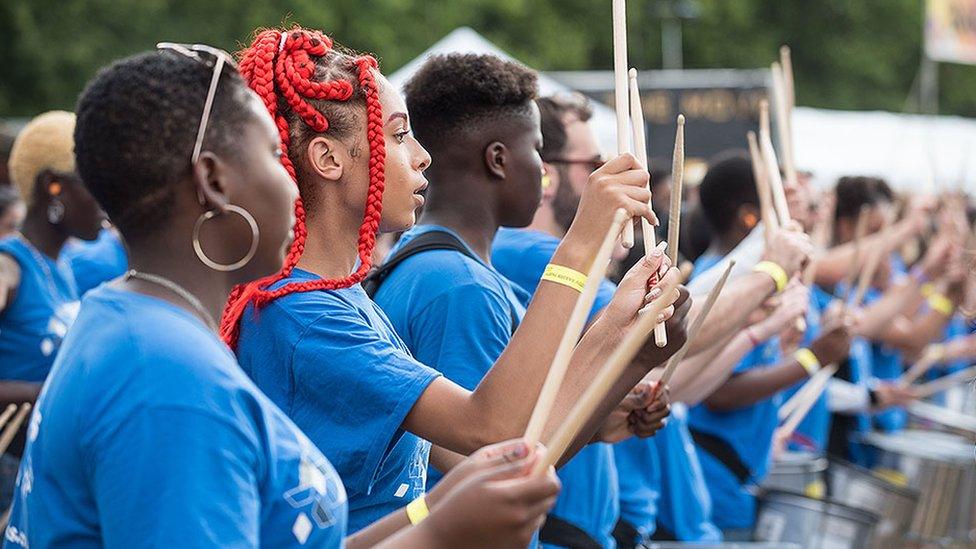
(640, 150)
(577, 320)
(11, 430)
(693, 331)
(604, 380)
(620, 97)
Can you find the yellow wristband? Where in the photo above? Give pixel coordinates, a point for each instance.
(927, 289)
(565, 276)
(777, 273)
(417, 510)
(941, 304)
(808, 360)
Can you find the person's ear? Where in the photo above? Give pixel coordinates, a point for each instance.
(748, 216)
(210, 178)
(47, 186)
(550, 182)
(327, 157)
(495, 159)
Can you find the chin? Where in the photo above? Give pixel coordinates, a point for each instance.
(396, 224)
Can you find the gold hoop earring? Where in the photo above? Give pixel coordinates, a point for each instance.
(202, 256)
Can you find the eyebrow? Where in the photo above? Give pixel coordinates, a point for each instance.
(396, 115)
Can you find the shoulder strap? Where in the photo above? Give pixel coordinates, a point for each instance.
(723, 452)
(431, 240)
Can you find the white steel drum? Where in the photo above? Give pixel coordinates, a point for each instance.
(719, 545)
(812, 523)
(801, 472)
(944, 418)
(941, 467)
(859, 487)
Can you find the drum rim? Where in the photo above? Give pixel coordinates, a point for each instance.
(869, 518)
(906, 491)
(963, 456)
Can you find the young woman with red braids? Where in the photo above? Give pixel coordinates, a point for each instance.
(147, 433)
(325, 353)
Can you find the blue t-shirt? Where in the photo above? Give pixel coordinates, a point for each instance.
(639, 476)
(454, 313)
(886, 364)
(98, 261)
(36, 320)
(749, 431)
(331, 360)
(589, 496)
(147, 433)
(522, 255)
(686, 506)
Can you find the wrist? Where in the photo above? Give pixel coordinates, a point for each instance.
(575, 253)
(774, 271)
(808, 359)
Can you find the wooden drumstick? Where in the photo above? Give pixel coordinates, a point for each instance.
(789, 86)
(695, 327)
(772, 167)
(607, 376)
(766, 208)
(945, 382)
(10, 431)
(5, 417)
(782, 105)
(571, 335)
(621, 94)
(640, 149)
(677, 186)
(818, 384)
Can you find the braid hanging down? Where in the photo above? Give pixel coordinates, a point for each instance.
(280, 66)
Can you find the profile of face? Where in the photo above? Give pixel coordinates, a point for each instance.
(515, 161)
(12, 218)
(80, 215)
(580, 157)
(253, 179)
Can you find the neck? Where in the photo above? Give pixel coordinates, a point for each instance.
(178, 263)
(331, 245)
(474, 220)
(44, 236)
(545, 222)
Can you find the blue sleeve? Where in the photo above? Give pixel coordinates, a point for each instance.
(604, 295)
(461, 332)
(177, 477)
(359, 387)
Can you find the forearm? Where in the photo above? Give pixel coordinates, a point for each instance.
(834, 265)
(17, 392)
(443, 459)
(731, 311)
(875, 321)
(393, 530)
(756, 385)
(915, 335)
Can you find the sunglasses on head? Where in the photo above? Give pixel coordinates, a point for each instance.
(211, 57)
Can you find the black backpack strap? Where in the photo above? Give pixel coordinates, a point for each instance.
(431, 240)
(724, 452)
(557, 531)
(627, 536)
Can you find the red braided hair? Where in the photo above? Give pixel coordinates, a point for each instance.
(280, 66)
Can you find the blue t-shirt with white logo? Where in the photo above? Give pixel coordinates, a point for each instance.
(331, 360)
(147, 433)
(35, 321)
(589, 496)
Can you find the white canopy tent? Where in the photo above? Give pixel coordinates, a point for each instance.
(913, 152)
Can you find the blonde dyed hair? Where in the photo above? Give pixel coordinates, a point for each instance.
(46, 143)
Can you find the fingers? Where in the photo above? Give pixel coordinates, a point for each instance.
(502, 452)
(619, 164)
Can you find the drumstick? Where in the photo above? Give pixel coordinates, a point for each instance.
(930, 357)
(782, 105)
(762, 188)
(640, 148)
(640, 151)
(571, 335)
(5, 417)
(867, 274)
(772, 166)
(604, 380)
(804, 406)
(945, 382)
(859, 231)
(677, 184)
(10, 431)
(695, 328)
(621, 93)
